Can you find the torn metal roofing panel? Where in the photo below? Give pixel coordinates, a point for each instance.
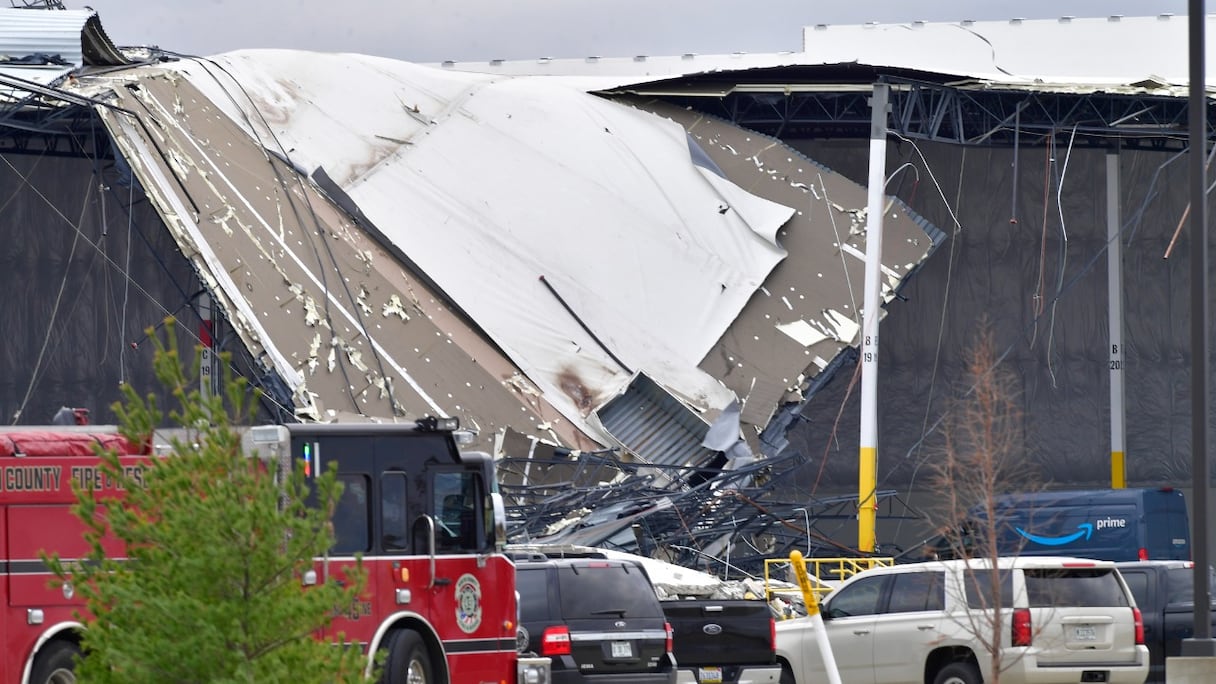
(590, 245)
(321, 304)
(566, 252)
(809, 308)
(41, 46)
(55, 34)
(65, 37)
(44, 46)
(650, 422)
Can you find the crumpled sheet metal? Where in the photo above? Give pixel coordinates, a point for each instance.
(307, 291)
(809, 308)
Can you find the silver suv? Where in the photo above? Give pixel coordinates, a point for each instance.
(1062, 621)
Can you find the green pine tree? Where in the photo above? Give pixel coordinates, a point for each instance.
(210, 586)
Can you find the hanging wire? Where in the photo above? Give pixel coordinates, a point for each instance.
(318, 228)
(50, 326)
(109, 260)
(1128, 229)
(1051, 329)
(952, 260)
(126, 290)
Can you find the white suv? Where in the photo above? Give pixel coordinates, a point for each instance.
(1063, 621)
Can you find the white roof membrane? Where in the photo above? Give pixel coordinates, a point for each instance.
(489, 184)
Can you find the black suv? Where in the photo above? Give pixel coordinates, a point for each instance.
(597, 619)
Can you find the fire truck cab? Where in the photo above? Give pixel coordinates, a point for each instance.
(424, 517)
(430, 527)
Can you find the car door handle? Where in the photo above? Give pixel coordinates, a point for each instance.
(924, 628)
(861, 632)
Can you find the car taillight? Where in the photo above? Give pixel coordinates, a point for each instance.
(1139, 626)
(555, 641)
(670, 635)
(1021, 627)
(772, 634)
(1142, 554)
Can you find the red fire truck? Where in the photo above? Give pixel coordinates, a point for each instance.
(440, 596)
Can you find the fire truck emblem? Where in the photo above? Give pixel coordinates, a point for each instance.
(468, 603)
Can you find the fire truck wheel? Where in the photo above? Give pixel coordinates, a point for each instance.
(56, 664)
(407, 661)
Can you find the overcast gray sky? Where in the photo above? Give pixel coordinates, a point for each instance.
(435, 30)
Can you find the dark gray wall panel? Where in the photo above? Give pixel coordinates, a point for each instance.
(1055, 336)
(88, 337)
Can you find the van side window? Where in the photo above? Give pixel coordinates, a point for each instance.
(918, 591)
(981, 584)
(859, 598)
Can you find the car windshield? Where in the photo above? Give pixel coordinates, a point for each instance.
(1074, 588)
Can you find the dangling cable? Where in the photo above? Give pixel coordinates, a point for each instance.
(952, 260)
(319, 230)
(50, 326)
(1055, 301)
(1037, 299)
(1017, 134)
(126, 289)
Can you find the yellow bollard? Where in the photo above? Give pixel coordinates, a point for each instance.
(812, 611)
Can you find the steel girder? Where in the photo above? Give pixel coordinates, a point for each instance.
(962, 114)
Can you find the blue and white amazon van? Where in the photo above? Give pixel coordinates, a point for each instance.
(1105, 524)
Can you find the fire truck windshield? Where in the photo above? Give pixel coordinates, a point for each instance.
(456, 499)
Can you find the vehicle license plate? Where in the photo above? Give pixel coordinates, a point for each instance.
(1085, 633)
(622, 649)
(710, 675)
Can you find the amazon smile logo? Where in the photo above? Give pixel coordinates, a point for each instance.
(1085, 530)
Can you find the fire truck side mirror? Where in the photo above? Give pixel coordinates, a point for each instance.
(500, 520)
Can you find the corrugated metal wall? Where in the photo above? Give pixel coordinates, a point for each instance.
(28, 31)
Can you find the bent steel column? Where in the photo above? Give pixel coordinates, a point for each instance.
(867, 503)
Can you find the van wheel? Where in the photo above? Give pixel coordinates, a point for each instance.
(787, 676)
(407, 661)
(959, 673)
(56, 664)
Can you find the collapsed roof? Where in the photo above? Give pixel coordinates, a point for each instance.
(569, 273)
(513, 251)
(582, 269)
(612, 286)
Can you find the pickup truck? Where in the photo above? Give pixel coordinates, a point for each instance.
(723, 641)
(1164, 592)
